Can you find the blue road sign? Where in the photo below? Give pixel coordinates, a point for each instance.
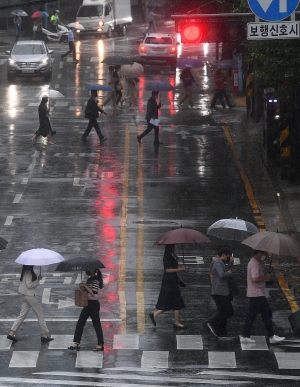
(273, 10)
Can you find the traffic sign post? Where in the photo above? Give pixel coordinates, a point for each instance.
(273, 10)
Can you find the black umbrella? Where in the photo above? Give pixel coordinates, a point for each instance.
(79, 264)
(3, 243)
(116, 60)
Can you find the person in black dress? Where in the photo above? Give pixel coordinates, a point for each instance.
(170, 295)
(92, 286)
(45, 129)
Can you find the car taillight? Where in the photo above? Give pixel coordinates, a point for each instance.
(172, 50)
(143, 49)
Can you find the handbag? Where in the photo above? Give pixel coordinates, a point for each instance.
(233, 287)
(81, 298)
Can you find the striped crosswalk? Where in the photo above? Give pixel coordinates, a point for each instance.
(150, 359)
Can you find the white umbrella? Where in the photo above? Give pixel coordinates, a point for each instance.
(50, 93)
(18, 12)
(39, 257)
(77, 26)
(232, 229)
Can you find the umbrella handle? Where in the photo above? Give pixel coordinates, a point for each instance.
(270, 264)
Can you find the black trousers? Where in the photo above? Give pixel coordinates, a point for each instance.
(93, 123)
(148, 130)
(224, 311)
(71, 49)
(92, 311)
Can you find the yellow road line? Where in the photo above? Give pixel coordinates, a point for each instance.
(123, 232)
(258, 217)
(140, 248)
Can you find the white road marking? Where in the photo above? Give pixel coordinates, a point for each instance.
(155, 359)
(60, 341)
(126, 341)
(221, 359)
(189, 342)
(288, 361)
(259, 345)
(5, 343)
(59, 76)
(58, 319)
(89, 359)
(148, 379)
(25, 180)
(24, 359)
(8, 221)
(249, 375)
(17, 198)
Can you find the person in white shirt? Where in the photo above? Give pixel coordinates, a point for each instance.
(28, 290)
(151, 20)
(71, 40)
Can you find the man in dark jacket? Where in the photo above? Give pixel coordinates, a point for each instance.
(92, 113)
(220, 292)
(152, 114)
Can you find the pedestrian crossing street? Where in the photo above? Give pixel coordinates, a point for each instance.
(156, 359)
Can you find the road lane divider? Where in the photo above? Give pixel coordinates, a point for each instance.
(123, 231)
(140, 246)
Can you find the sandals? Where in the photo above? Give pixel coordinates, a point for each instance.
(97, 349)
(75, 346)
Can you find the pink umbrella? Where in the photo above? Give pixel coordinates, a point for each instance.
(181, 236)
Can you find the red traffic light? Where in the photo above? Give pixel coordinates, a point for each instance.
(195, 31)
(190, 33)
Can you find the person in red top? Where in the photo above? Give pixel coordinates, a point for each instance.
(220, 91)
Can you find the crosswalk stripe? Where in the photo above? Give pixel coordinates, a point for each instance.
(259, 345)
(4, 343)
(89, 359)
(221, 359)
(126, 341)
(155, 359)
(26, 359)
(189, 342)
(60, 341)
(288, 360)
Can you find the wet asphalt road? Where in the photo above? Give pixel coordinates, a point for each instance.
(111, 202)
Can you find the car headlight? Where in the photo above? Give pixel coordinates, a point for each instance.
(11, 61)
(44, 61)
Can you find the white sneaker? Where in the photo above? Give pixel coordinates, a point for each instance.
(210, 327)
(276, 339)
(246, 340)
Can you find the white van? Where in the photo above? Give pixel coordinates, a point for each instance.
(103, 17)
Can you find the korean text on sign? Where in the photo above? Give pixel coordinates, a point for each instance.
(276, 30)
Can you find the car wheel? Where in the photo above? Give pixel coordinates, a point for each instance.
(48, 76)
(173, 64)
(10, 78)
(123, 30)
(109, 32)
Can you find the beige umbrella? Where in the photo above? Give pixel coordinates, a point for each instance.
(273, 242)
(132, 71)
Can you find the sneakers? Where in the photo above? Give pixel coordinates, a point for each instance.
(246, 340)
(211, 328)
(276, 339)
(46, 339)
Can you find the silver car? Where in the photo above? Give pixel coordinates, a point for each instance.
(159, 48)
(28, 58)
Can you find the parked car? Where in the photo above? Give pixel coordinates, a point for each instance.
(159, 48)
(29, 58)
